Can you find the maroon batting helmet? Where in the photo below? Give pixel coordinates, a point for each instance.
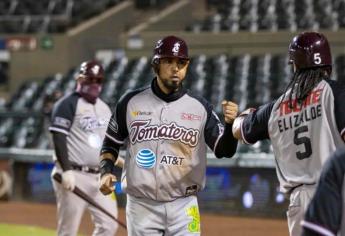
(309, 50)
(91, 70)
(170, 46)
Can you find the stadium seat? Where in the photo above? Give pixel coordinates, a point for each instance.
(55, 16)
(7, 127)
(273, 15)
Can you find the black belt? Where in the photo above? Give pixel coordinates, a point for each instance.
(93, 170)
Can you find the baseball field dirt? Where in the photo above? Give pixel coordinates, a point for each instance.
(44, 215)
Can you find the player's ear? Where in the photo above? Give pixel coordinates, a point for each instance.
(155, 67)
(154, 64)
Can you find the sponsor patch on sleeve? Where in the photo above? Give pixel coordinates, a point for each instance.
(62, 122)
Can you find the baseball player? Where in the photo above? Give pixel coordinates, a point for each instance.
(305, 124)
(167, 129)
(325, 214)
(78, 124)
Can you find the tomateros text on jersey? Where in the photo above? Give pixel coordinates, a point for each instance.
(141, 130)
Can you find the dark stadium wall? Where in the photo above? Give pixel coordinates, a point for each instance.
(113, 28)
(173, 18)
(39, 63)
(233, 44)
(101, 32)
(69, 49)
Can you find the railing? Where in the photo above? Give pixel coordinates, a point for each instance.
(257, 160)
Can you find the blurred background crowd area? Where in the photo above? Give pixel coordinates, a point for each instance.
(238, 50)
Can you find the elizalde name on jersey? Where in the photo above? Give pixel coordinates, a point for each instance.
(309, 110)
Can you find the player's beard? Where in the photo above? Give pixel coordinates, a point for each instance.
(172, 86)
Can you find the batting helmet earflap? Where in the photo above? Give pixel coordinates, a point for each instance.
(309, 50)
(91, 69)
(170, 46)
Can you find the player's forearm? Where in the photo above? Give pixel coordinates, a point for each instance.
(60, 146)
(227, 144)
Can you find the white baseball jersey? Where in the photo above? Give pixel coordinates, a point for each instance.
(167, 138)
(303, 136)
(84, 124)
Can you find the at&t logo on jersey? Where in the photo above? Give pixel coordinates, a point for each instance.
(145, 158)
(171, 160)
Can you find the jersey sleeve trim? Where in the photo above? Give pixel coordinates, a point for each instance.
(58, 130)
(317, 228)
(216, 143)
(114, 139)
(342, 132)
(110, 149)
(64, 111)
(255, 125)
(243, 135)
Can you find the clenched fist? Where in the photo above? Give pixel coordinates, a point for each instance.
(107, 184)
(230, 111)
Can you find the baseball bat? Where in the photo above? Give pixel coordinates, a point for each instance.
(85, 197)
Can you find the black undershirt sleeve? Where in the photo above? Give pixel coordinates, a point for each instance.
(227, 144)
(60, 146)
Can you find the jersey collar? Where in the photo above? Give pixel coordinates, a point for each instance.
(166, 97)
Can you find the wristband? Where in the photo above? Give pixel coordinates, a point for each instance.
(106, 166)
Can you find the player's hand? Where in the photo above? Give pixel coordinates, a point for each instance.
(68, 180)
(107, 184)
(230, 111)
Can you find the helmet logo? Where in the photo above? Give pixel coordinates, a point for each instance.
(176, 48)
(317, 58)
(95, 69)
(83, 68)
(159, 44)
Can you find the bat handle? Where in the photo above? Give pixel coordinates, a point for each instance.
(58, 177)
